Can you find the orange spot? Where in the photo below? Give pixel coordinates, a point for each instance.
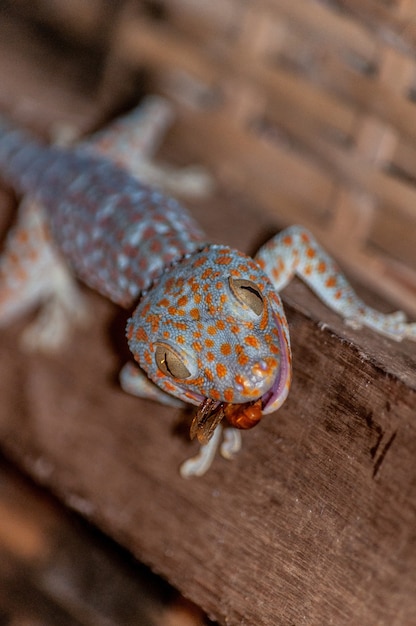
(220, 324)
(264, 320)
(338, 294)
(174, 311)
(206, 273)
(225, 349)
(163, 302)
(242, 358)
(305, 237)
(209, 343)
(221, 370)
(214, 394)
(211, 330)
(331, 281)
(153, 320)
(224, 260)
(179, 338)
(210, 356)
(194, 313)
(183, 301)
(251, 340)
(201, 261)
(321, 267)
(146, 309)
(141, 335)
(155, 246)
(197, 298)
(240, 380)
(208, 374)
(168, 386)
(308, 270)
(228, 394)
(287, 240)
(180, 325)
(310, 252)
(197, 346)
(169, 284)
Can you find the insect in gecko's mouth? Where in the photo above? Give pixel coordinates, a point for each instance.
(210, 413)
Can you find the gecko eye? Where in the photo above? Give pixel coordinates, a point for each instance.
(170, 363)
(247, 293)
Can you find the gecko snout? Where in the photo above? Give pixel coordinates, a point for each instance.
(255, 381)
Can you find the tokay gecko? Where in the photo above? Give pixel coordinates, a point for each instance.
(209, 327)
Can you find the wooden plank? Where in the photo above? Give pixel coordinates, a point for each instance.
(312, 523)
(57, 570)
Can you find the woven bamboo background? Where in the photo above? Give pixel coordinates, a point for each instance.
(307, 107)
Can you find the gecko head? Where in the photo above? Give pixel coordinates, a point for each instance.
(212, 332)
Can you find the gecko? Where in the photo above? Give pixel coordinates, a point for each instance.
(208, 326)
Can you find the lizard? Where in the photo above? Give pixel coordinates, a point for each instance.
(208, 327)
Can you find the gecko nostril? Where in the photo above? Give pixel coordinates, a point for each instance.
(262, 364)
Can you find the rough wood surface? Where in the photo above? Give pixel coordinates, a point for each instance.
(313, 523)
(56, 570)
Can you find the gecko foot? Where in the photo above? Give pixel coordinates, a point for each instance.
(201, 462)
(393, 325)
(52, 326)
(231, 444)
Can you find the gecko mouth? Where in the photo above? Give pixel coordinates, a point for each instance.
(244, 416)
(210, 412)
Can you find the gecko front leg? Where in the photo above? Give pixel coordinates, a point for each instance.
(294, 251)
(132, 141)
(134, 381)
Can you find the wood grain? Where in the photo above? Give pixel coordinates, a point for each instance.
(313, 522)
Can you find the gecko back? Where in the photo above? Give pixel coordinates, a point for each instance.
(117, 233)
